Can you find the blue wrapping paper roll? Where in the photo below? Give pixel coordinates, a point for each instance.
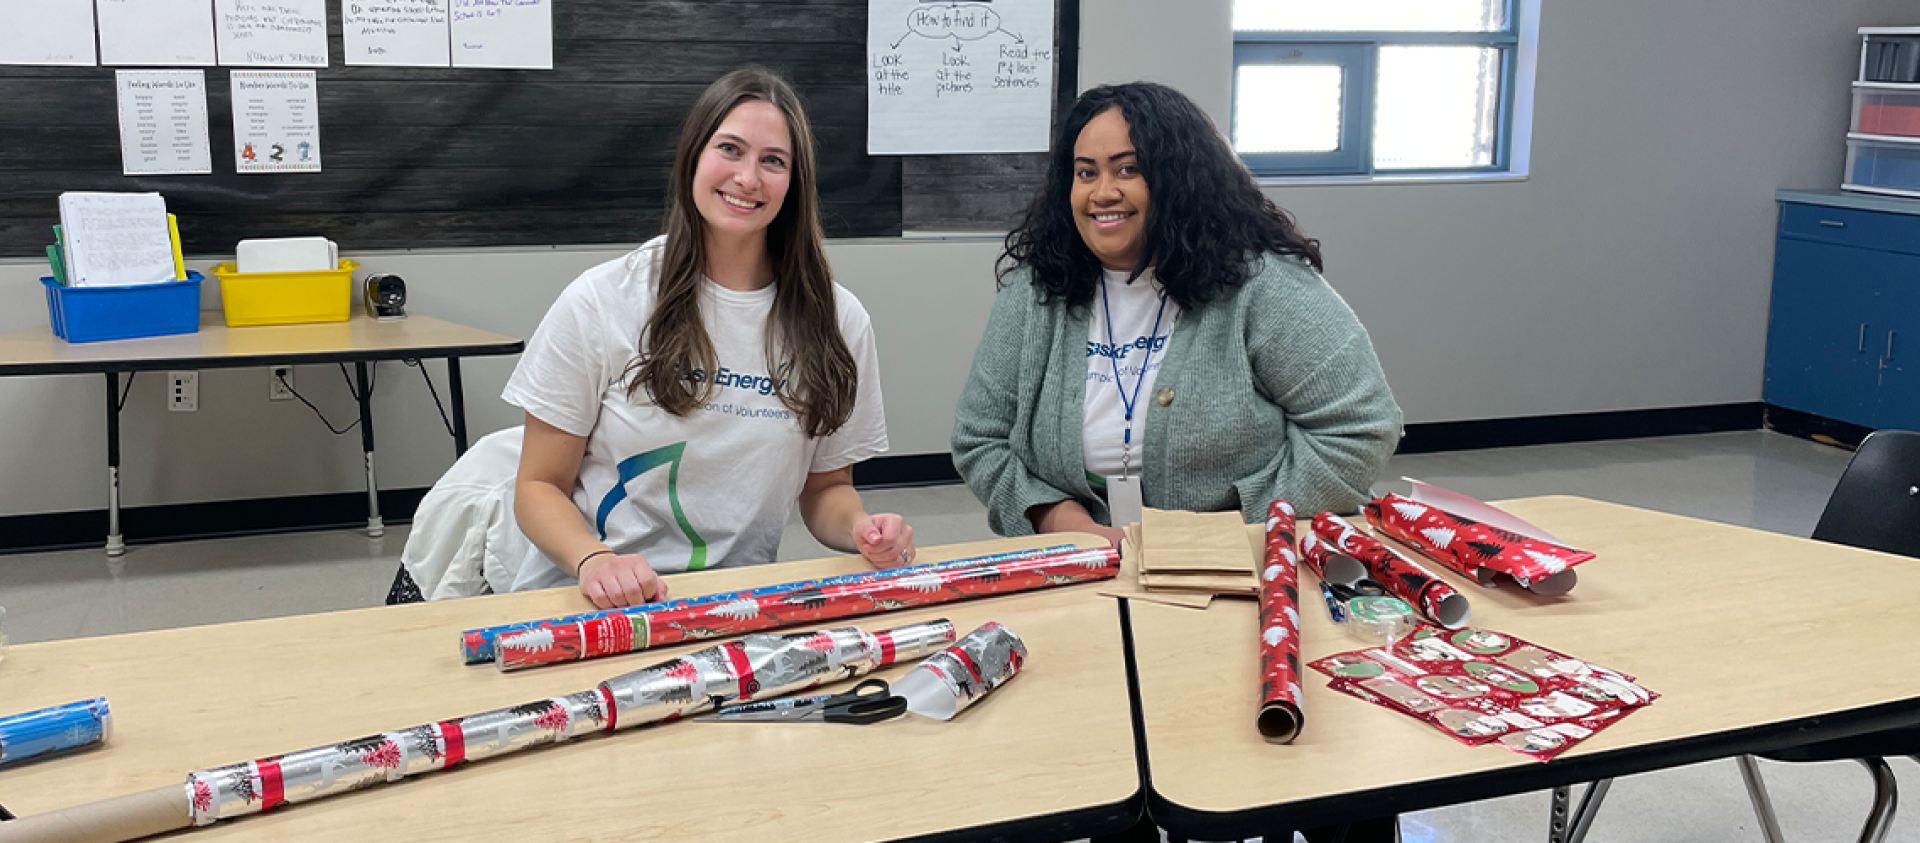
(56, 729)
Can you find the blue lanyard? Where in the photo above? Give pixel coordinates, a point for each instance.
(1127, 401)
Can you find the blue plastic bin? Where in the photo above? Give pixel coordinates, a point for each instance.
(92, 314)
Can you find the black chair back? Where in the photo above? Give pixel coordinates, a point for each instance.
(1877, 504)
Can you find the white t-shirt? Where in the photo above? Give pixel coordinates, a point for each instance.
(712, 488)
(1132, 344)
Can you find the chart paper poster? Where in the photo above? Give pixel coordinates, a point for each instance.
(271, 33)
(396, 33)
(515, 34)
(156, 32)
(946, 78)
(47, 32)
(163, 122)
(276, 121)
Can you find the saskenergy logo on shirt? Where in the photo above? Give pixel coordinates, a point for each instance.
(730, 379)
(1119, 351)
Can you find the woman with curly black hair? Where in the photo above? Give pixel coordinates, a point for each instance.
(1162, 335)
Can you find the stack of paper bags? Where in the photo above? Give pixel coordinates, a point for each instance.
(1186, 558)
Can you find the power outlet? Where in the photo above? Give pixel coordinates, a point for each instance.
(183, 391)
(280, 383)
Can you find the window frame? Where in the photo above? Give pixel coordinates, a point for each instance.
(1356, 63)
(1356, 153)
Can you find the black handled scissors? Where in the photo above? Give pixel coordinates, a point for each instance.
(870, 701)
(1357, 588)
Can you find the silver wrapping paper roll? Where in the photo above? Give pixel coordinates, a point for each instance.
(957, 677)
(253, 786)
(756, 666)
(764, 666)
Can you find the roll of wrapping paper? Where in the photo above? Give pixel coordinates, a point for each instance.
(477, 645)
(952, 680)
(611, 635)
(56, 729)
(753, 667)
(1281, 696)
(1402, 577)
(1470, 547)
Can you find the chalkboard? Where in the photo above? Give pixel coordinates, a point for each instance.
(435, 157)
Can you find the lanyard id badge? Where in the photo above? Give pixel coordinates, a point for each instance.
(1125, 500)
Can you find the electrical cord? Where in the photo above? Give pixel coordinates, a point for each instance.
(415, 363)
(337, 431)
(123, 397)
(372, 378)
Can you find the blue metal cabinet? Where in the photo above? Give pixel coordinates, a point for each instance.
(1845, 318)
(1899, 404)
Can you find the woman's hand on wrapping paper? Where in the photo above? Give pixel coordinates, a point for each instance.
(615, 580)
(886, 540)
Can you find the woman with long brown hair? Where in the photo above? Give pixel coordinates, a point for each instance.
(680, 399)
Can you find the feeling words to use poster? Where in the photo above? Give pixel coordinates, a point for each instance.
(946, 78)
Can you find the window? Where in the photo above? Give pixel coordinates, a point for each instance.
(1374, 87)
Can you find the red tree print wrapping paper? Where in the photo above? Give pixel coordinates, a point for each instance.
(1473, 548)
(1333, 537)
(550, 643)
(1281, 697)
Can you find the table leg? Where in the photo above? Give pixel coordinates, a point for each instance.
(1557, 814)
(1589, 806)
(1762, 803)
(364, 393)
(115, 546)
(459, 400)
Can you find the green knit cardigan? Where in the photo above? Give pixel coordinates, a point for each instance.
(1275, 393)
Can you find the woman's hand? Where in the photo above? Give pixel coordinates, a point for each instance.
(886, 540)
(1069, 516)
(612, 581)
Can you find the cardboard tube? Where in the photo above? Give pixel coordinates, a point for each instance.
(128, 817)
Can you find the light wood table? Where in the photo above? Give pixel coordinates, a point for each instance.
(360, 340)
(1050, 755)
(1755, 641)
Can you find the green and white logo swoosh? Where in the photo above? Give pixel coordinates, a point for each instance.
(634, 466)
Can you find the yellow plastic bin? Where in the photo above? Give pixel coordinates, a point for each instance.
(285, 298)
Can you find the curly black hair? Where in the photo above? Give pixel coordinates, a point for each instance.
(1207, 219)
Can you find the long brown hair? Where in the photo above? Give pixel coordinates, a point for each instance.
(806, 355)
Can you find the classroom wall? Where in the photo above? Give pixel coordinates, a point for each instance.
(928, 301)
(1629, 271)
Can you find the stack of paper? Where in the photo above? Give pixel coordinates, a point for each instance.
(116, 239)
(287, 254)
(1185, 558)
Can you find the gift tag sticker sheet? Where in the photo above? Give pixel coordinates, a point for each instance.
(1480, 686)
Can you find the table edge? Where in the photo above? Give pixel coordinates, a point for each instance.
(1207, 824)
(1093, 821)
(95, 367)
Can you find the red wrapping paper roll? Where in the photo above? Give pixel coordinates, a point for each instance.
(1281, 696)
(1402, 577)
(1473, 548)
(611, 635)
